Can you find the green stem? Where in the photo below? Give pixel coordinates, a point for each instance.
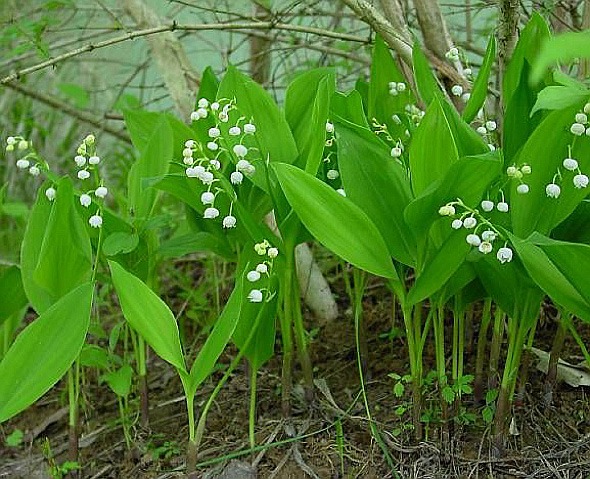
(497, 336)
(486, 316)
(301, 338)
(287, 341)
(252, 412)
(359, 284)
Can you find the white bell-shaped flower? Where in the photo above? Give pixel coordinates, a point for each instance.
(502, 207)
(255, 296)
(214, 132)
(101, 192)
(50, 193)
(504, 255)
(236, 178)
(235, 131)
(570, 164)
(80, 160)
(85, 200)
(332, 174)
(487, 205)
(578, 129)
(485, 247)
(240, 151)
(522, 189)
(249, 128)
(473, 239)
(341, 191)
(470, 222)
(253, 276)
(488, 235)
(95, 221)
(23, 164)
(552, 190)
(229, 221)
(34, 170)
(94, 160)
(207, 198)
(83, 174)
(457, 90)
(273, 252)
(580, 181)
(457, 224)
(212, 146)
(262, 268)
(211, 213)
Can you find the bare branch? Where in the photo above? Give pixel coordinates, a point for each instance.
(433, 26)
(68, 109)
(174, 26)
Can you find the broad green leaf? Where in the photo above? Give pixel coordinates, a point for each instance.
(425, 79)
(366, 166)
(545, 151)
(572, 260)
(518, 122)
(557, 97)
(148, 315)
(349, 107)
(467, 140)
(65, 255)
(335, 221)
(141, 124)
(93, 356)
(218, 339)
(43, 351)
(576, 227)
(382, 104)
(120, 243)
(550, 279)
(509, 285)
(561, 48)
(479, 92)
(255, 332)
(433, 150)
(526, 51)
(12, 293)
(307, 105)
(153, 161)
(467, 179)
(272, 130)
(196, 242)
(208, 85)
(439, 268)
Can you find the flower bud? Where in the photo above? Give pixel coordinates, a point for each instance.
(329, 127)
(249, 128)
(522, 189)
(502, 207)
(50, 193)
(332, 174)
(23, 164)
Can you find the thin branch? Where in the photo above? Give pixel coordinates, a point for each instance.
(174, 26)
(67, 109)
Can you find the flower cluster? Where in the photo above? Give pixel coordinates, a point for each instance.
(262, 269)
(482, 233)
(395, 88)
(571, 165)
(30, 160)
(227, 137)
(518, 173)
(87, 161)
(581, 124)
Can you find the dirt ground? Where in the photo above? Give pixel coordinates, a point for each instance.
(553, 442)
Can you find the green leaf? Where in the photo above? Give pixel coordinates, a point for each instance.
(382, 104)
(385, 179)
(15, 438)
(433, 150)
(349, 107)
(120, 243)
(12, 293)
(425, 79)
(479, 92)
(561, 48)
(120, 380)
(43, 351)
(398, 389)
(208, 86)
(335, 221)
(526, 50)
(544, 151)
(551, 279)
(558, 97)
(148, 315)
(273, 133)
(56, 255)
(448, 394)
(93, 356)
(217, 340)
(196, 242)
(439, 268)
(467, 179)
(154, 161)
(307, 104)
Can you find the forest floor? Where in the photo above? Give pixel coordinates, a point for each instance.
(334, 433)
